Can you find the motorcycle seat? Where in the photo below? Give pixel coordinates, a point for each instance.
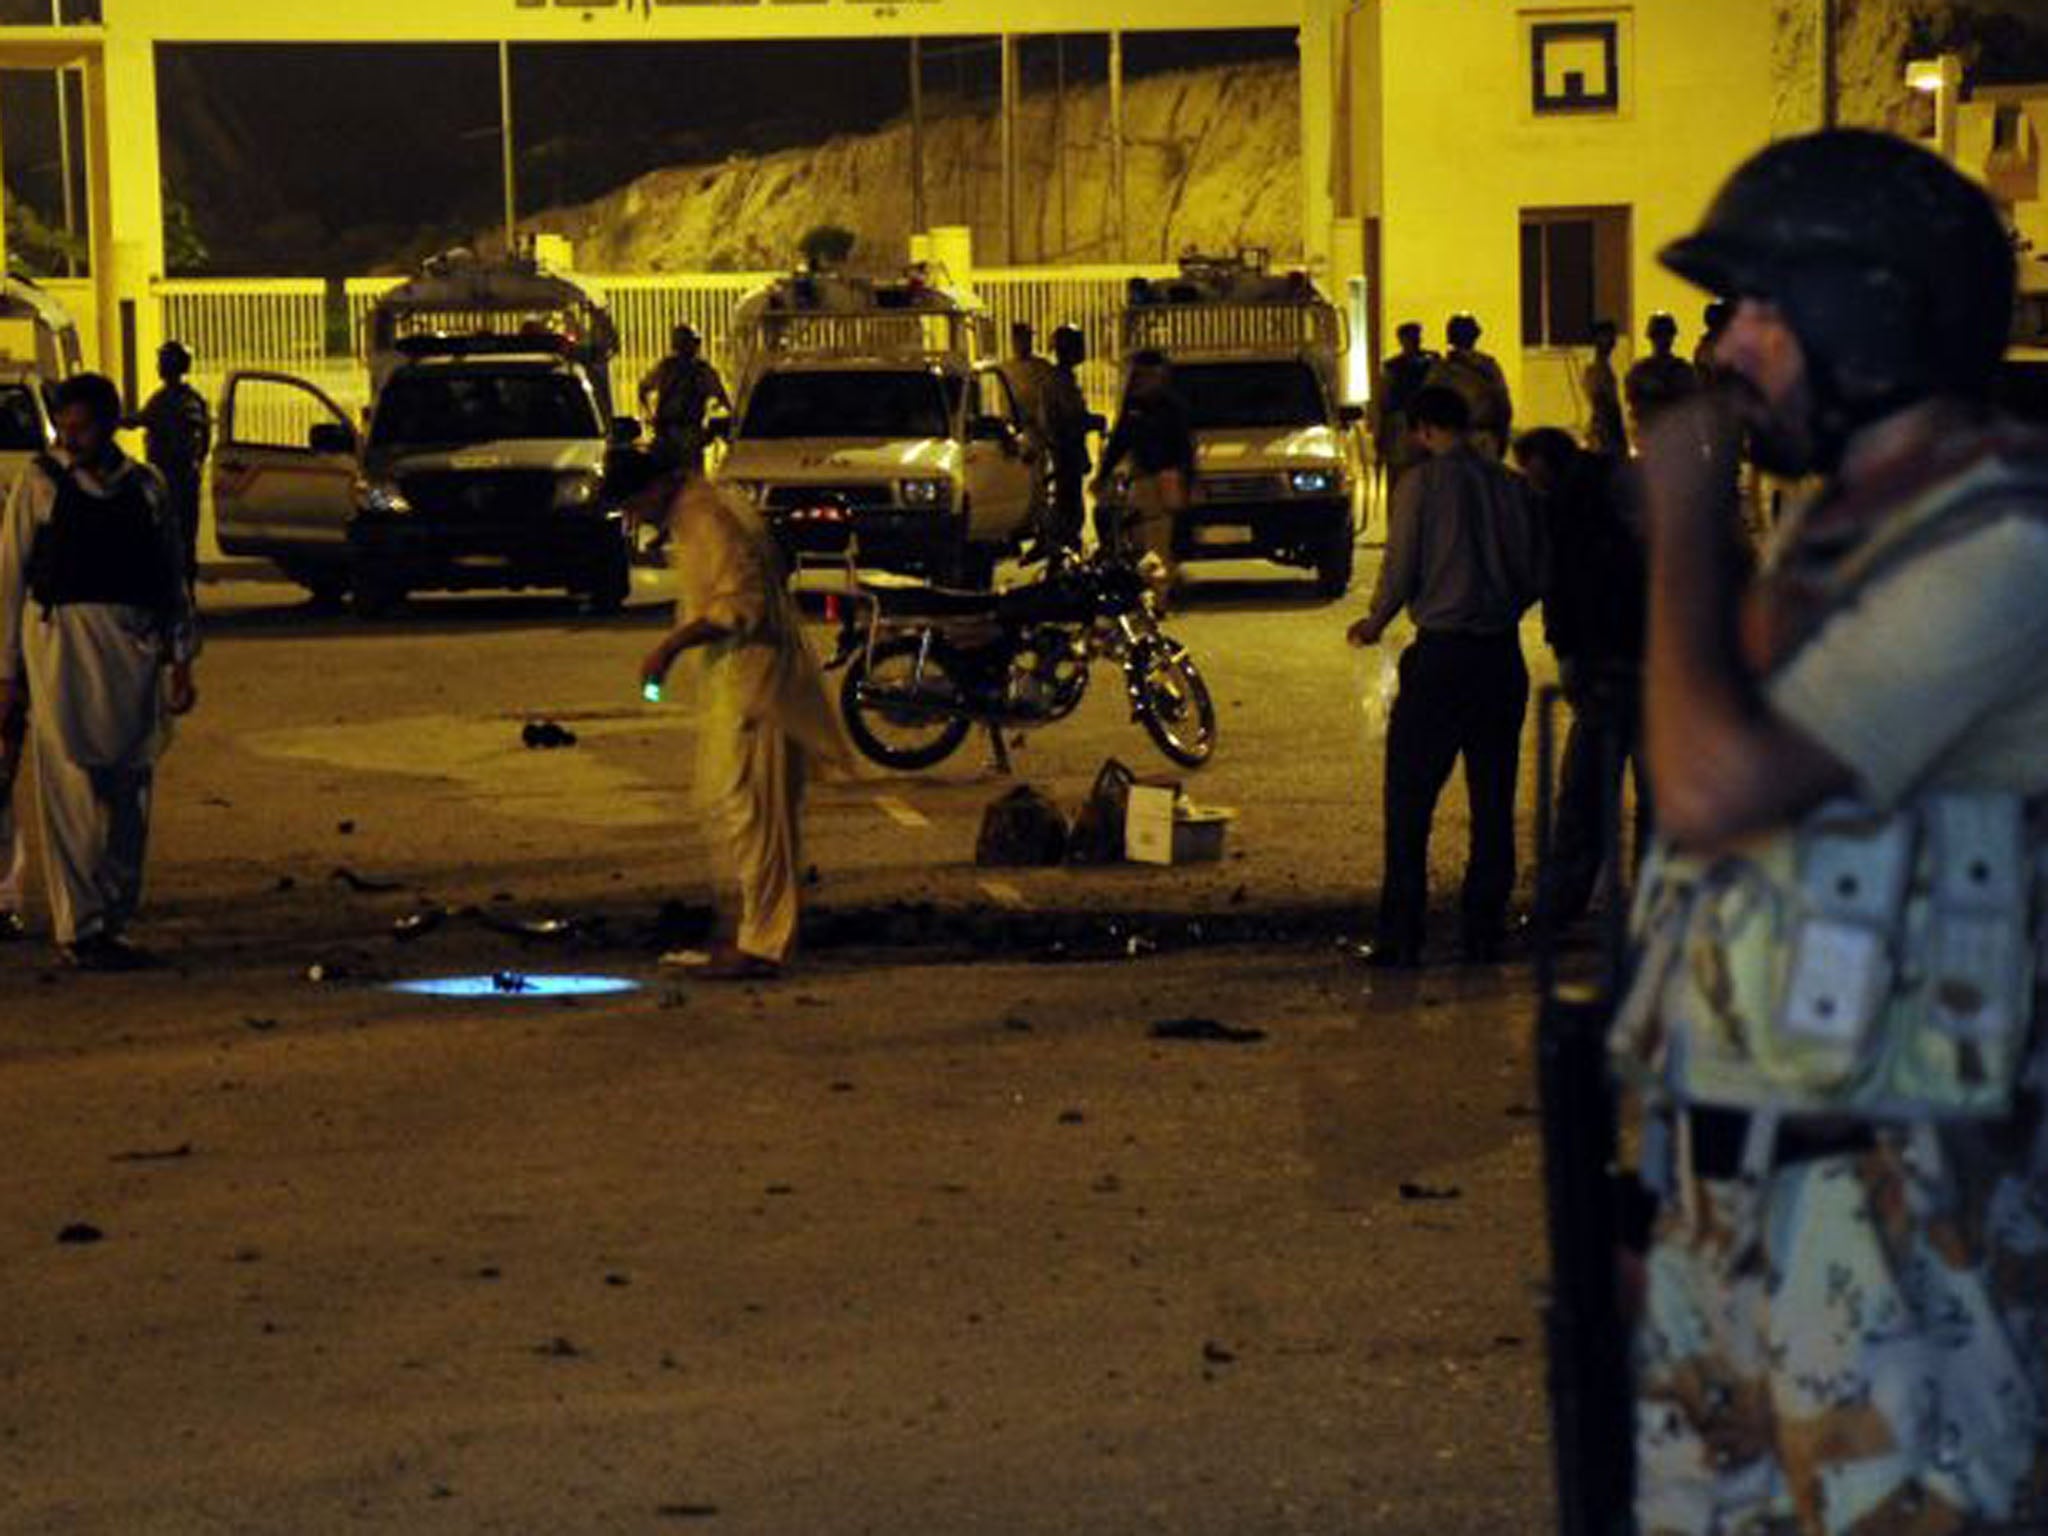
(921, 601)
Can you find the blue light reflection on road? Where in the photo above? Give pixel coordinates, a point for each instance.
(516, 984)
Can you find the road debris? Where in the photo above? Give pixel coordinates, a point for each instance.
(363, 885)
(154, 1154)
(558, 1348)
(1216, 1354)
(546, 735)
(416, 925)
(1431, 1192)
(1206, 1031)
(80, 1232)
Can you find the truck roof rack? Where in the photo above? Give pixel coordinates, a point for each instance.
(912, 318)
(1234, 303)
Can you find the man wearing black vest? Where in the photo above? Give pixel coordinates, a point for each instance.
(97, 634)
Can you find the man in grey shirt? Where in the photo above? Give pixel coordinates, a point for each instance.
(1465, 558)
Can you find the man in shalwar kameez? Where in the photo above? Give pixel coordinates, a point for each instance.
(96, 632)
(13, 846)
(765, 721)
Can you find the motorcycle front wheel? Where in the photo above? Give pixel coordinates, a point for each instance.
(902, 704)
(1173, 702)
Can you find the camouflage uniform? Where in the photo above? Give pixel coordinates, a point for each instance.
(1856, 1344)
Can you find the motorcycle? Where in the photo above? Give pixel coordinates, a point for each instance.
(928, 664)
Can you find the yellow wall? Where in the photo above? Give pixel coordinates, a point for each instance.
(1462, 155)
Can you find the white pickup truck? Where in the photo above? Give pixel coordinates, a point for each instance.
(873, 412)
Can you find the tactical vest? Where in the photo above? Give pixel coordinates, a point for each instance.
(100, 549)
(1874, 965)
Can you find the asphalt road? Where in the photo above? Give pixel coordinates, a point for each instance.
(933, 1235)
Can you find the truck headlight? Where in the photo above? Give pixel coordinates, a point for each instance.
(1316, 482)
(381, 498)
(577, 491)
(925, 492)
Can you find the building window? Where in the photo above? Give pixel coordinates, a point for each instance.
(1575, 66)
(1574, 272)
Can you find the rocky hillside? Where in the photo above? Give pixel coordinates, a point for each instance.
(1213, 162)
(2000, 41)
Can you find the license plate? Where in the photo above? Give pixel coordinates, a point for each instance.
(1214, 534)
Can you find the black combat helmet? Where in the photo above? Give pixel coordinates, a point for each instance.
(1893, 269)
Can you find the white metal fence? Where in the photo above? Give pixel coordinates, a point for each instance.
(294, 325)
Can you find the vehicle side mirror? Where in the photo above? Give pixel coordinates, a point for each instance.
(331, 437)
(1351, 415)
(625, 429)
(989, 429)
(719, 428)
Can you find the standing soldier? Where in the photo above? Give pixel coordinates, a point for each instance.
(177, 433)
(1465, 559)
(1400, 377)
(1066, 424)
(765, 721)
(1478, 379)
(1661, 380)
(676, 396)
(1606, 434)
(96, 628)
(1713, 321)
(1028, 375)
(1835, 1016)
(1153, 432)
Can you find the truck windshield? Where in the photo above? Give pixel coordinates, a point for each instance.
(477, 407)
(1270, 394)
(850, 404)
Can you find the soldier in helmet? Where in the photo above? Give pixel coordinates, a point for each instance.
(1713, 322)
(677, 394)
(1066, 426)
(1843, 1325)
(1401, 378)
(1605, 434)
(177, 433)
(1659, 381)
(1478, 379)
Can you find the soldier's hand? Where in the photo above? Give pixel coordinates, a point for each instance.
(1692, 456)
(1362, 634)
(180, 692)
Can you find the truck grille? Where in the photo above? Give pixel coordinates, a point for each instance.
(489, 496)
(1232, 489)
(790, 498)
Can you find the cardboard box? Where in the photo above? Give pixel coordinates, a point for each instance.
(1162, 826)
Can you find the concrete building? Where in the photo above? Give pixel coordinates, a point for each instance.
(1527, 161)
(2001, 137)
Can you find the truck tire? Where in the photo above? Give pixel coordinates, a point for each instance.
(374, 594)
(1335, 560)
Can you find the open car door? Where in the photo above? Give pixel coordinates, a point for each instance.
(1000, 476)
(284, 473)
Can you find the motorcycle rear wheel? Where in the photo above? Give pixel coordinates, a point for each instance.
(905, 739)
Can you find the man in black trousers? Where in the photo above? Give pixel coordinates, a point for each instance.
(1465, 559)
